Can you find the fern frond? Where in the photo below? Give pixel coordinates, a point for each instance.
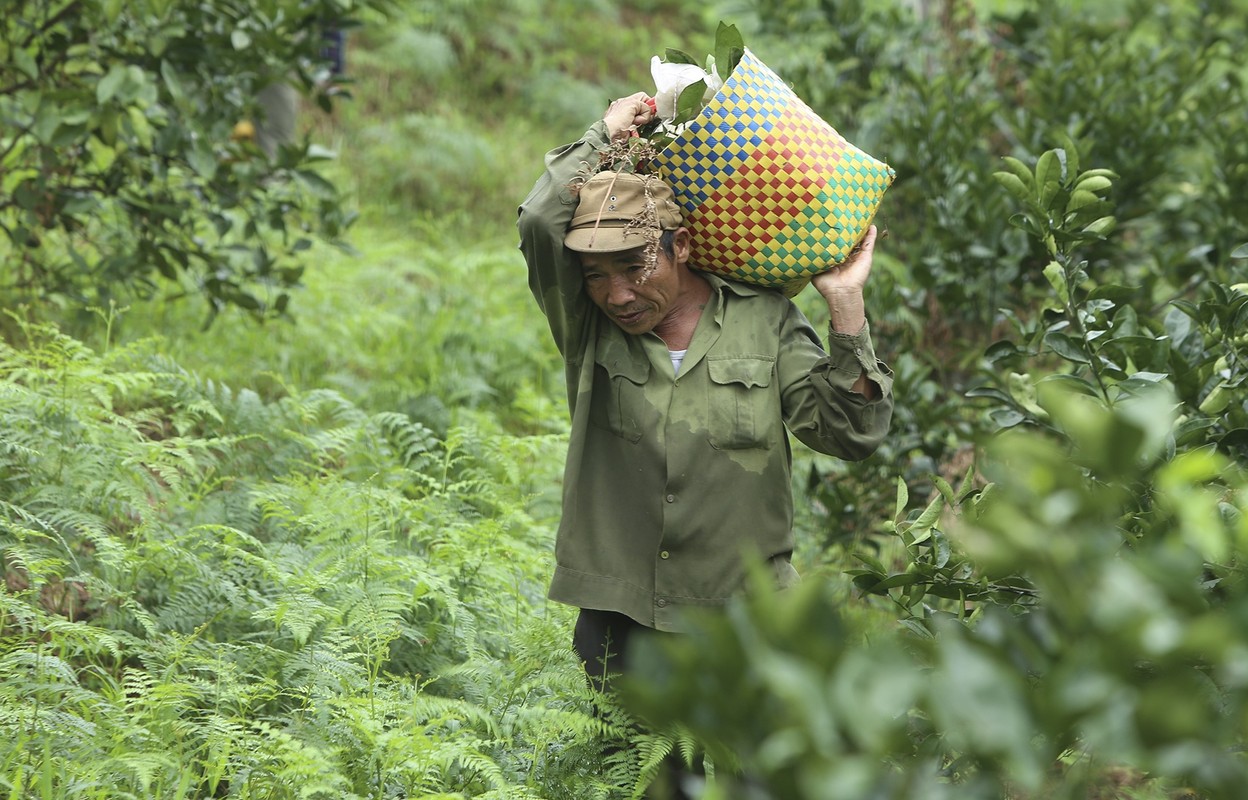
(413, 444)
(652, 750)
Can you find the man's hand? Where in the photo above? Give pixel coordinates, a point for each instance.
(842, 286)
(628, 113)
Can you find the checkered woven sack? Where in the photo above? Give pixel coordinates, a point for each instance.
(771, 193)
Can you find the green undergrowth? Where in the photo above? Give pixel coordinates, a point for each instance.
(432, 320)
(308, 558)
(213, 593)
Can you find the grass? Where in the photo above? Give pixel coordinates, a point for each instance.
(424, 319)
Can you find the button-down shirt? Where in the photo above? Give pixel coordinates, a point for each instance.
(673, 481)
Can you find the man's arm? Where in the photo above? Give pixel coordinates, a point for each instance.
(554, 272)
(842, 288)
(837, 401)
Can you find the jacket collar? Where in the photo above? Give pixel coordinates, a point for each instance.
(736, 287)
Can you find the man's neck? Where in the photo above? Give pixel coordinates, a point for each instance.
(677, 328)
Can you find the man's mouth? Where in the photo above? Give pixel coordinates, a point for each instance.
(630, 318)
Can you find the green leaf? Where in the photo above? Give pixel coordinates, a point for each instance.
(930, 514)
(1066, 347)
(729, 47)
(45, 122)
(1217, 400)
(917, 627)
(1014, 185)
(26, 195)
(1100, 227)
(1048, 176)
(674, 56)
(689, 104)
(25, 61)
(913, 594)
(240, 39)
(1081, 198)
(1241, 251)
(1146, 352)
(1069, 153)
(1188, 433)
(1006, 417)
(317, 184)
(1047, 168)
(1057, 279)
(1096, 173)
(202, 160)
(871, 561)
(110, 84)
(967, 485)
(1075, 382)
(81, 204)
(245, 300)
(895, 580)
(950, 591)
(903, 498)
(999, 351)
(1093, 183)
(172, 82)
(1236, 439)
(989, 391)
(944, 550)
(1020, 169)
(318, 152)
(1121, 295)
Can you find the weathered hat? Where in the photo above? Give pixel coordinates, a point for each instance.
(619, 211)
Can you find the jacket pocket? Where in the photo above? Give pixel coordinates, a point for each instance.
(619, 396)
(743, 407)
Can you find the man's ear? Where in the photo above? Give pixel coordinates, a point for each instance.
(682, 243)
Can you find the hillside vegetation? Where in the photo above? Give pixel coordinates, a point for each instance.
(257, 547)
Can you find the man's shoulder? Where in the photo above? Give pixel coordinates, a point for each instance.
(735, 288)
(749, 300)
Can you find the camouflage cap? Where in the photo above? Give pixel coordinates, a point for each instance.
(621, 210)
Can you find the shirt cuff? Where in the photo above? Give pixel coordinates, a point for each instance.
(596, 135)
(852, 354)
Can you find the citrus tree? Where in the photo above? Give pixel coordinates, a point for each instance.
(128, 157)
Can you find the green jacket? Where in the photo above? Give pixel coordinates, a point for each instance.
(673, 481)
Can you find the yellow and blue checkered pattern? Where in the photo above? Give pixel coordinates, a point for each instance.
(771, 193)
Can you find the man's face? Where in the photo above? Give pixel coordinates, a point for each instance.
(633, 296)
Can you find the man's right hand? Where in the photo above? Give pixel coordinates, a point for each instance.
(627, 114)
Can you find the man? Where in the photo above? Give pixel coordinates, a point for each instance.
(681, 386)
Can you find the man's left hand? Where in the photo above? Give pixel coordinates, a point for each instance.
(842, 286)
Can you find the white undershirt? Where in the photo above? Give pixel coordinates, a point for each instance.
(677, 357)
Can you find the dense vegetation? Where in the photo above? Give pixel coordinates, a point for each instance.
(303, 552)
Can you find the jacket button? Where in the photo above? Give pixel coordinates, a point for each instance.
(665, 554)
(661, 603)
(671, 498)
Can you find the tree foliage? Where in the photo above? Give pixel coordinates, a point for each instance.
(121, 167)
(321, 575)
(1069, 601)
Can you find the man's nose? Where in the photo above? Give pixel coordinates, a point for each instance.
(621, 291)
